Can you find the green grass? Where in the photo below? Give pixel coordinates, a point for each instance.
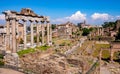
(1, 60)
(105, 54)
(43, 47)
(97, 50)
(1, 56)
(31, 50)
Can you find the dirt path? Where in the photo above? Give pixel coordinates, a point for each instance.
(9, 71)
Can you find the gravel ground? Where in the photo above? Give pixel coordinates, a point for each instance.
(9, 71)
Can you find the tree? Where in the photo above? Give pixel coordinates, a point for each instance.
(109, 24)
(91, 29)
(53, 26)
(85, 31)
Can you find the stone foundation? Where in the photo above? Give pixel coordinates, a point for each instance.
(11, 60)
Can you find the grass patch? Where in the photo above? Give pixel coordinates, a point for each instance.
(105, 54)
(1, 60)
(29, 50)
(43, 48)
(98, 47)
(1, 56)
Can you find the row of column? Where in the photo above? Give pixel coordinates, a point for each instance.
(100, 31)
(14, 28)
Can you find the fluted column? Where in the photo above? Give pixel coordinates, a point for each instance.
(42, 23)
(8, 34)
(32, 37)
(48, 32)
(25, 36)
(14, 34)
(37, 32)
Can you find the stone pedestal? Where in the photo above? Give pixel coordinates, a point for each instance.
(11, 60)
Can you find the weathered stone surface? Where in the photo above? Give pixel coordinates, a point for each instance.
(48, 64)
(11, 59)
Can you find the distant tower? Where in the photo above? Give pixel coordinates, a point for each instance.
(84, 22)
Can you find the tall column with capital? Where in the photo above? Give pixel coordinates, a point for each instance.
(42, 23)
(37, 32)
(25, 37)
(32, 37)
(16, 31)
(48, 32)
(8, 34)
(14, 34)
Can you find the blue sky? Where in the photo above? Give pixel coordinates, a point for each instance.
(60, 11)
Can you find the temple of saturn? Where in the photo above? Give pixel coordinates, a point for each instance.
(26, 15)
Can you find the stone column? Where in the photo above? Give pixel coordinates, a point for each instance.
(32, 37)
(25, 36)
(102, 31)
(98, 31)
(37, 32)
(111, 55)
(42, 23)
(48, 32)
(14, 34)
(8, 35)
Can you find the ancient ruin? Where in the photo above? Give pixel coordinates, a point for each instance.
(26, 15)
(13, 18)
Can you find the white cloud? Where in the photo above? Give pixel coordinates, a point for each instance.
(78, 16)
(118, 17)
(101, 16)
(2, 17)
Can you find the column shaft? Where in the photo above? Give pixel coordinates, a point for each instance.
(8, 35)
(14, 36)
(42, 33)
(32, 37)
(25, 37)
(48, 32)
(37, 32)
(16, 32)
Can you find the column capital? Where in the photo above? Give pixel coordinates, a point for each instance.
(12, 16)
(17, 19)
(36, 21)
(24, 20)
(48, 21)
(42, 21)
(31, 20)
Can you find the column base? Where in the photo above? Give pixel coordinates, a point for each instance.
(8, 52)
